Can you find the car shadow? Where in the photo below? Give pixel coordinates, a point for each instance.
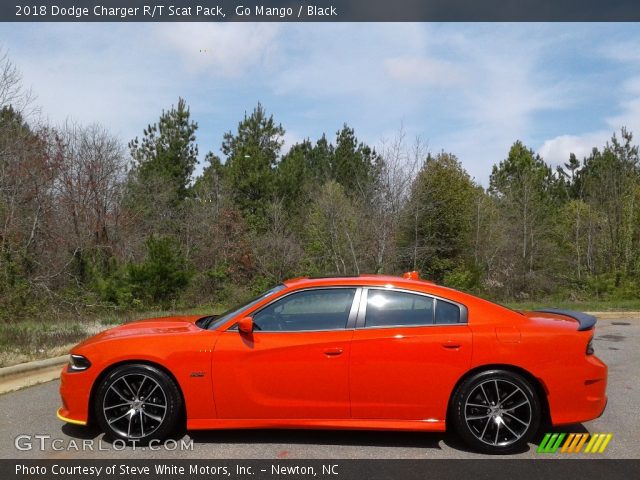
(573, 428)
(362, 438)
(81, 432)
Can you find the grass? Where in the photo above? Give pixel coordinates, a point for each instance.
(131, 316)
(31, 340)
(28, 340)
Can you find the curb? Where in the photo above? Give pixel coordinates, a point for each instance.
(28, 367)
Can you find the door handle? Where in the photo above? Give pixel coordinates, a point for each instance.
(332, 352)
(451, 345)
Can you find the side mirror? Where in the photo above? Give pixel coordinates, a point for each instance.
(245, 325)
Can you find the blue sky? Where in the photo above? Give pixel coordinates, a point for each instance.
(471, 89)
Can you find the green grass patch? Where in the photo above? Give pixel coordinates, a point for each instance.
(36, 335)
(27, 340)
(117, 318)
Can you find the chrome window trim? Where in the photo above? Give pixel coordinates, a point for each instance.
(360, 324)
(355, 307)
(351, 319)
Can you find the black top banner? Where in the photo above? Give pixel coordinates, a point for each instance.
(320, 11)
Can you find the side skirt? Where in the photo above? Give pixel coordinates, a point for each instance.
(328, 424)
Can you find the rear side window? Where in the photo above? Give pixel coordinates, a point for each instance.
(447, 313)
(389, 308)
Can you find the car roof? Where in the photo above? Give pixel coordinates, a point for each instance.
(484, 311)
(409, 281)
(366, 279)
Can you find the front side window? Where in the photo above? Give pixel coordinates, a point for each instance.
(387, 308)
(321, 309)
(214, 321)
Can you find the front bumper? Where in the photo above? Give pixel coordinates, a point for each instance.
(62, 415)
(75, 390)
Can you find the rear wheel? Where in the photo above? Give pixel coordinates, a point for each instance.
(138, 402)
(496, 411)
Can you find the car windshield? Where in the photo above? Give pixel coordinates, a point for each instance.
(216, 321)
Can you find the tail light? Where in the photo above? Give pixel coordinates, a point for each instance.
(590, 346)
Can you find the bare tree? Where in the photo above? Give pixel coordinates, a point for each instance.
(12, 90)
(401, 163)
(277, 252)
(88, 191)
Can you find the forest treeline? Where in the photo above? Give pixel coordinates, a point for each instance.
(87, 222)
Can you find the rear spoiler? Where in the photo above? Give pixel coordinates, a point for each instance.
(586, 321)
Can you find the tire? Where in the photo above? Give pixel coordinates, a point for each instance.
(138, 402)
(493, 426)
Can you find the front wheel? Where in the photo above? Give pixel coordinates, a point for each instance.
(138, 402)
(496, 411)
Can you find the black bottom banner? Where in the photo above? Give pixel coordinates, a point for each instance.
(319, 469)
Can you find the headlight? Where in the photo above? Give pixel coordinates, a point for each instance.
(77, 363)
(590, 347)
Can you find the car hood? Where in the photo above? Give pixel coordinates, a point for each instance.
(151, 326)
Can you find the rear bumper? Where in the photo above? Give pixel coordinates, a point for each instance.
(583, 396)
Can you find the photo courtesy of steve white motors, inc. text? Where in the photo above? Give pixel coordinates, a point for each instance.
(167, 469)
(102, 12)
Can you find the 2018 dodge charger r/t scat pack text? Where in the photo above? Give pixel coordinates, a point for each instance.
(371, 352)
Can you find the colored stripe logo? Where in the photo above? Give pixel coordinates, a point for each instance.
(574, 442)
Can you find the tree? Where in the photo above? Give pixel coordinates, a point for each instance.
(277, 251)
(294, 177)
(167, 152)
(612, 179)
(302, 171)
(332, 236)
(436, 234)
(382, 215)
(355, 166)
(28, 250)
(252, 154)
(521, 185)
(12, 91)
(88, 190)
(162, 275)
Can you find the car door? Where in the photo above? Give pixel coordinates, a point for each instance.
(407, 353)
(295, 364)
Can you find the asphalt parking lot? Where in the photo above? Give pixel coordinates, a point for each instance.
(31, 412)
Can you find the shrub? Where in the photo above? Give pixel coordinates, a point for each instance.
(164, 273)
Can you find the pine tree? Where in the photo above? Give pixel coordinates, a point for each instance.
(252, 155)
(354, 165)
(167, 152)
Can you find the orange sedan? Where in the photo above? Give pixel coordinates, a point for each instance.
(371, 352)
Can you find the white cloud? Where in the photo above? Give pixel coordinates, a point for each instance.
(510, 87)
(95, 74)
(557, 150)
(625, 51)
(221, 49)
(424, 71)
(289, 139)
